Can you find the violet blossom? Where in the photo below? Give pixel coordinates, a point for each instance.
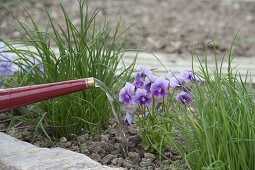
(146, 113)
(176, 81)
(6, 65)
(147, 83)
(186, 76)
(142, 97)
(126, 94)
(140, 76)
(143, 71)
(159, 87)
(183, 98)
(128, 118)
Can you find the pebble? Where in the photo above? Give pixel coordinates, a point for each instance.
(149, 156)
(84, 138)
(108, 158)
(96, 157)
(68, 144)
(3, 116)
(62, 139)
(117, 162)
(105, 138)
(146, 162)
(128, 163)
(134, 156)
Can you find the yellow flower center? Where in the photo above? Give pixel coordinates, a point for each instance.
(159, 90)
(143, 99)
(184, 100)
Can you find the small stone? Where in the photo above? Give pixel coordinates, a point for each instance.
(108, 158)
(12, 132)
(105, 138)
(85, 151)
(150, 168)
(134, 141)
(117, 162)
(84, 138)
(96, 147)
(96, 157)
(3, 116)
(127, 163)
(75, 148)
(119, 139)
(146, 162)
(132, 131)
(149, 156)
(62, 139)
(134, 156)
(68, 144)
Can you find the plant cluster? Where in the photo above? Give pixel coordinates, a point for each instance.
(150, 102)
(221, 132)
(70, 52)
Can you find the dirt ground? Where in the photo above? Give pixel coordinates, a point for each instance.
(170, 26)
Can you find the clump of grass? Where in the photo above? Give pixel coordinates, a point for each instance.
(67, 53)
(219, 131)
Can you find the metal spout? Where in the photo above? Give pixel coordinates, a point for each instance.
(21, 96)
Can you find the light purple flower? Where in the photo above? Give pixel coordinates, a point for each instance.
(146, 113)
(140, 76)
(6, 65)
(183, 98)
(138, 82)
(126, 94)
(176, 81)
(6, 69)
(33, 62)
(142, 97)
(143, 71)
(148, 81)
(186, 75)
(128, 118)
(159, 87)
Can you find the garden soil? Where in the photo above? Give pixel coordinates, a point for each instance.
(170, 26)
(106, 148)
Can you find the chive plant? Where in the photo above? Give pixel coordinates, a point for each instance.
(70, 52)
(218, 132)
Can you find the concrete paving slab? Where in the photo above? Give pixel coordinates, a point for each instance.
(19, 155)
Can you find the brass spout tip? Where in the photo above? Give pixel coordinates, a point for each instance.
(90, 82)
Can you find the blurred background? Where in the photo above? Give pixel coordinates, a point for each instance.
(168, 26)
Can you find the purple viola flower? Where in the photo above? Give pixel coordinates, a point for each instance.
(186, 75)
(176, 81)
(146, 113)
(183, 98)
(143, 71)
(33, 61)
(140, 76)
(6, 65)
(159, 87)
(126, 94)
(128, 118)
(6, 69)
(147, 83)
(138, 82)
(142, 97)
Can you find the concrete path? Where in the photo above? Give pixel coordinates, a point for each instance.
(19, 155)
(176, 62)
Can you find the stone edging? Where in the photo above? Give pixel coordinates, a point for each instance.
(19, 155)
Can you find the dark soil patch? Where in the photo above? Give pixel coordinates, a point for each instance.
(106, 148)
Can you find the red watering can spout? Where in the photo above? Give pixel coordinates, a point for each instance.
(21, 96)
